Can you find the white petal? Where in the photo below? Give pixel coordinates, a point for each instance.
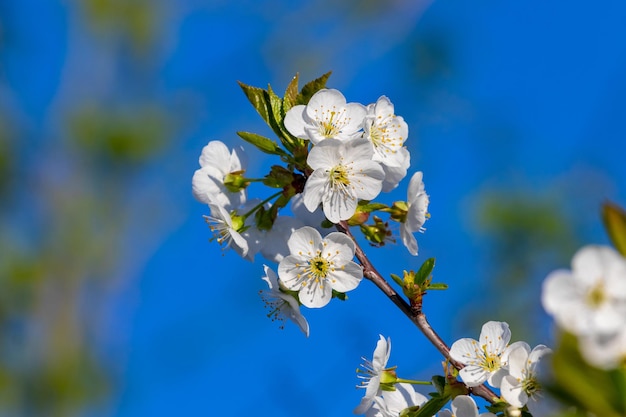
(416, 184)
(216, 155)
(304, 241)
(464, 350)
(338, 206)
(326, 154)
(495, 335)
(294, 121)
(347, 277)
(473, 375)
(464, 406)
(408, 240)
(511, 390)
(314, 190)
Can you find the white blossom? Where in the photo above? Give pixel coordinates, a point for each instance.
(327, 115)
(216, 162)
(343, 173)
(281, 304)
(386, 131)
(591, 298)
(227, 232)
(522, 386)
(371, 372)
(485, 359)
(463, 406)
(417, 204)
(395, 174)
(392, 403)
(315, 266)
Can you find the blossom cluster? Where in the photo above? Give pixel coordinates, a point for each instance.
(353, 153)
(589, 301)
(515, 369)
(337, 157)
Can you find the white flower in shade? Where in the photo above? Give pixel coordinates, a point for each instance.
(417, 208)
(463, 406)
(392, 403)
(227, 229)
(273, 243)
(327, 115)
(522, 386)
(280, 303)
(216, 162)
(591, 298)
(316, 266)
(604, 351)
(309, 218)
(386, 131)
(371, 373)
(485, 359)
(343, 173)
(395, 174)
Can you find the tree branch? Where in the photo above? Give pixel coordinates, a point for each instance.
(417, 317)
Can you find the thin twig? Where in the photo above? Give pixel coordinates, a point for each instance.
(417, 317)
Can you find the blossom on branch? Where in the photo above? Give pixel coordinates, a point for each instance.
(371, 374)
(522, 386)
(386, 131)
(393, 403)
(227, 228)
(463, 406)
(281, 304)
(484, 360)
(343, 173)
(316, 266)
(326, 116)
(210, 182)
(417, 207)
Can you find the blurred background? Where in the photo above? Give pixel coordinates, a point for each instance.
(113, 302)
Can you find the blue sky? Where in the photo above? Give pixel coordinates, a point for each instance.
(498, 96)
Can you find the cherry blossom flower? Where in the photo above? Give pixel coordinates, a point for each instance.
(463, 406)
(327, 115)
(485, 359)
(227, 229)
(216, 163)
(371, 373)
(395, 174)
(316, 266)
(282, 305)
(605, 351)
(522, 386)
(386, 131)
(343, 173)
(591, 298)
(392, 403)
(417, 204)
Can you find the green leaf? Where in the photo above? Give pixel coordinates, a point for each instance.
(431, 407)
(439, 382)
(424, 272)
(397, 279)
(291, 94)
(614, 218)
(262, 143)
(276, 104)
(258, 97)
(437, 286)
(311, 88)
(278, 177)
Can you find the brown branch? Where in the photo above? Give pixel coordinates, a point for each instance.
(416, 316)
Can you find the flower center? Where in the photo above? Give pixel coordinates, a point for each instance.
(339, 175)
(330, 127)
(319, 267)
(597, 295)
(491, 362)
(531, 386)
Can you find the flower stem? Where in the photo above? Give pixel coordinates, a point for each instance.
(412, 381)
(261, 204)
(415, 315)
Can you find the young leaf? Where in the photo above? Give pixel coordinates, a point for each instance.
(262, 143)
(425, 270)
(311, 88)
(614, 218)
(437, 286)
(258, 98)
(431, 407)
(291, 94)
